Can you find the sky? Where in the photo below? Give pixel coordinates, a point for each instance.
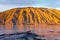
(9, 4)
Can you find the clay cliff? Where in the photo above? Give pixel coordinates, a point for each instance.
(30, 18)
(30, 15)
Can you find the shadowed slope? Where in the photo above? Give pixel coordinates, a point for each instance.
(22, 36)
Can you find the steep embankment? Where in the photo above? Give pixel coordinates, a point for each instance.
(31, 16)
(30, 19)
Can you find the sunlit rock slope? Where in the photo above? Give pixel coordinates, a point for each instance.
(30, 18)
(30, 15)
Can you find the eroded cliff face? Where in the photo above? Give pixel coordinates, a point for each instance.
(24, 19)
(31, 16)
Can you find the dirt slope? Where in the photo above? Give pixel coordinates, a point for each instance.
(30, 15)
(30, 18)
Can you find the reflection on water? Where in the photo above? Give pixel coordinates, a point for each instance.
(37, 32)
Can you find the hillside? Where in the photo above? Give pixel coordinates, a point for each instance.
(30, 15)
(37, 20)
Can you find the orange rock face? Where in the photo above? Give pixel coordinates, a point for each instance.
(37, 20)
